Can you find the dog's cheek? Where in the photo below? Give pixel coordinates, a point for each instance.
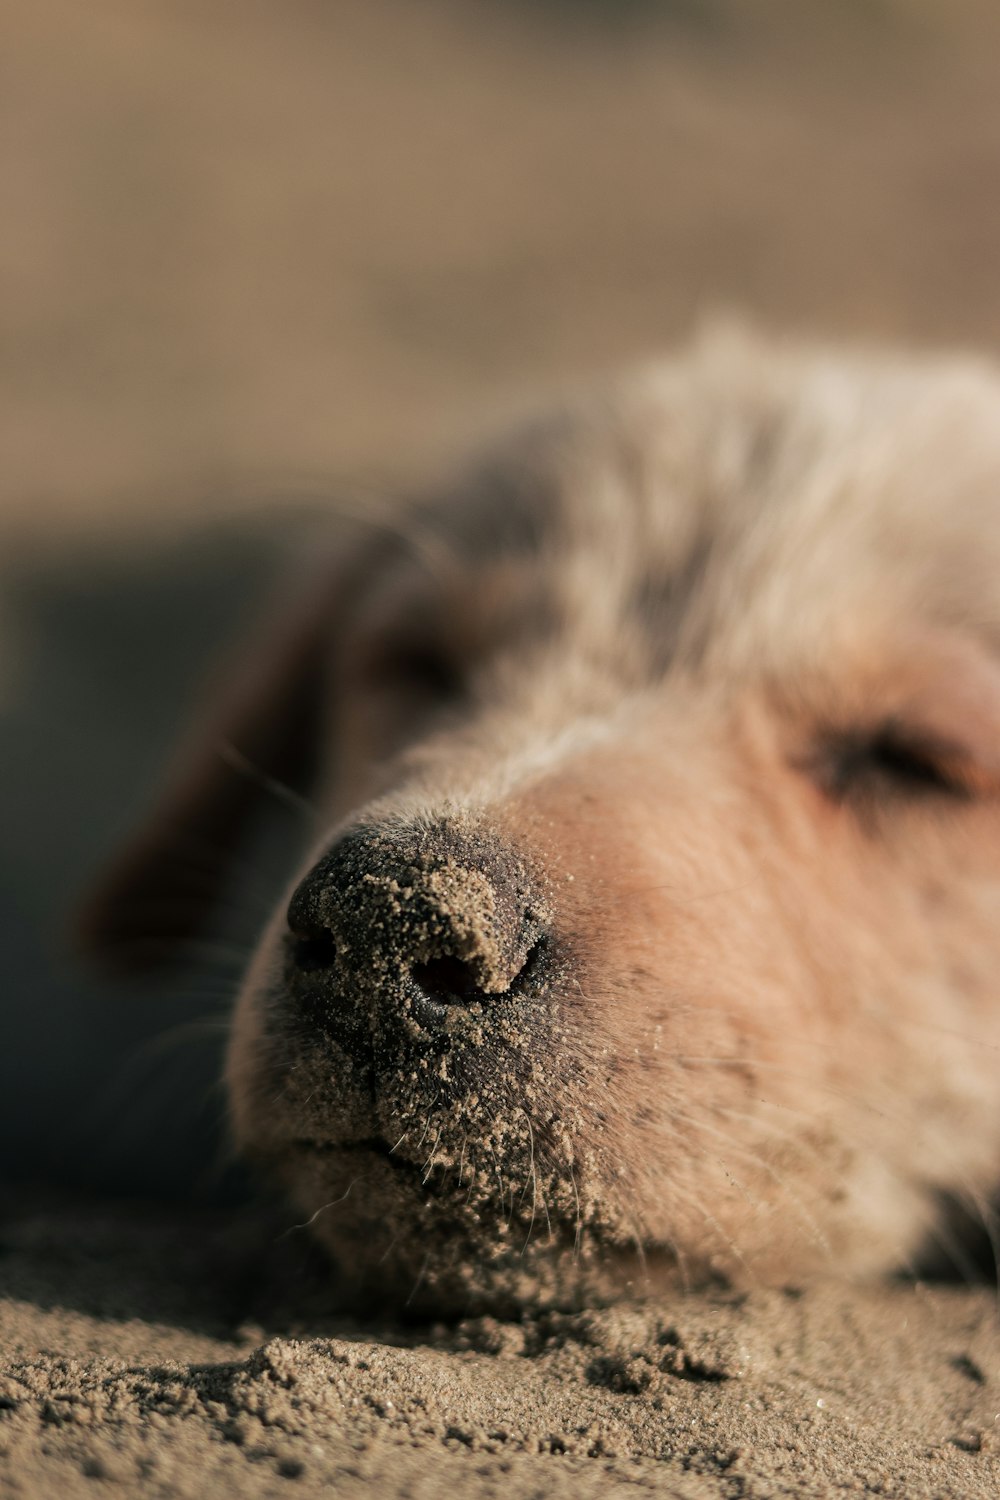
(674, 990)
(729, 951)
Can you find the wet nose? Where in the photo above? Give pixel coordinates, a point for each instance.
(426, 926)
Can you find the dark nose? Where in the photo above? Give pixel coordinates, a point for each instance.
(420, 926)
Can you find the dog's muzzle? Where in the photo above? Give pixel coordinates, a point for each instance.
(429, 1091)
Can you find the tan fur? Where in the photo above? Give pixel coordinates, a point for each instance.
(772, 1040)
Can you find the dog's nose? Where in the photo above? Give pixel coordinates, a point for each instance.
(423, 926)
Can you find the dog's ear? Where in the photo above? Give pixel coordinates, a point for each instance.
(259, 727)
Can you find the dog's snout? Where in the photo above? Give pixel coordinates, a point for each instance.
(419, 925)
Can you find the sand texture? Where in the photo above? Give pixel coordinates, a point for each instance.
(185, 1356)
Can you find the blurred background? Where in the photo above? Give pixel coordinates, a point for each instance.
(251, 252)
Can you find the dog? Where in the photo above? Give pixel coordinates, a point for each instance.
(652, 924)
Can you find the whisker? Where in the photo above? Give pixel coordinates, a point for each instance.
(429, 1164)
(578, 1234)
(420, 1279)
(756, 1158)
(308, 1223)
(279, 790)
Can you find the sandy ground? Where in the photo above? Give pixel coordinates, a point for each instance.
(251, 253)
(145, 1354)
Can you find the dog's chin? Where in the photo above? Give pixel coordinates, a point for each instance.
(417, 1242)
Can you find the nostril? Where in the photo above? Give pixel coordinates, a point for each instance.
(311, 945)
(450, 981)
(311, 954)
(446, 981)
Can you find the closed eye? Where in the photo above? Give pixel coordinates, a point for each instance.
(414, 667)
(890, 761)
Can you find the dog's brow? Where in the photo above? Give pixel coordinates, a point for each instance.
(660, 599)
(507, 508)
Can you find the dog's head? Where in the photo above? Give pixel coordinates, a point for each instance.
(652, 917)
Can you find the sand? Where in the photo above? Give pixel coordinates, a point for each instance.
(182, 1355)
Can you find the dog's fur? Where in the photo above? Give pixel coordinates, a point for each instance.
(684, 704)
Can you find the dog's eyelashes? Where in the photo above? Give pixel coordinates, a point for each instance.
(430, 672)
(417, 667)
(911, 766)
(891, 761)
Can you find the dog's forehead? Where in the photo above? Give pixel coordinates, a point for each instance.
(747, 500)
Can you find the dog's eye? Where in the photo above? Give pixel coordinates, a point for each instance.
(430, 671)
(415, 667)
(890, 761)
